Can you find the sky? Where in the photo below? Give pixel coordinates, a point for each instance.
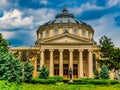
(19, 19)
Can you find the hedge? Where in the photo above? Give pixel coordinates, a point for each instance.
(94, 81)
(44, 81)
(57, 78)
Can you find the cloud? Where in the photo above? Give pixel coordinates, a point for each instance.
(45, 2)
(105, 26)
(7, 35)
(4, 4)
(13, 19)
(16, 24)
(113, 2)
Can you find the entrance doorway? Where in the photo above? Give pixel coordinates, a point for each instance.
(65, 70)
(56, 69)
(75, 70)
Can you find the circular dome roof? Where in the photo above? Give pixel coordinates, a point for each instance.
(64, 18)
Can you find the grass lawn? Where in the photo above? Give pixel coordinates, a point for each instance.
(69, 87)
(4, 85)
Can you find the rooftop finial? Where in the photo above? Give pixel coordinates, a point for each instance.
(64, 9)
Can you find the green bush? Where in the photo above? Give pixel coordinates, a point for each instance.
(43, 81)
(65, 80)
(44, 72)
(104, 73)
(96, 73)
(94, 81)
(57, 78)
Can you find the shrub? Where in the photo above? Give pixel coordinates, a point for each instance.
(44, 72)
(94, 81)
(65, 80)
(57, 78)
(44, 81)
(27, 71)
(96, 73)
(104, 73)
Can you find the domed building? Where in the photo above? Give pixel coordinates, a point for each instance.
(61, 44)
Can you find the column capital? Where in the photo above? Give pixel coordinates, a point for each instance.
(61, 50)
(51, 50)
(80, 50)
(42, 50)
(71, 50)
(90, 50)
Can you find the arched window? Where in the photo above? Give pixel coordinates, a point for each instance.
(47, 33)
(55, 31)
(41, 35)
(89, 34)
(75, 31)
(83, 32)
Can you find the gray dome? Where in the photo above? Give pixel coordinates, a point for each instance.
(64, 18)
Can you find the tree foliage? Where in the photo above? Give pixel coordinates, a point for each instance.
(11, 68)
(27, 71)
(110, 56)
(96, 74)
(104, 73)
(44, 72)
(3, 44)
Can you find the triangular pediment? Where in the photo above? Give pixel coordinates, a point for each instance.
(66, 38)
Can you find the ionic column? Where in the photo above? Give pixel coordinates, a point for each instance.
(90, 64)
(51, 63)
(42, 58)
(80, 64)
(71, 59)
(61, 63)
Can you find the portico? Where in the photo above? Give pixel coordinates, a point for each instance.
(59, 61)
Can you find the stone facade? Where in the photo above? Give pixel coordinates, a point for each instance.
(62, 44)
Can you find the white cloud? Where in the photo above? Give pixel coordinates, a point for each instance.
(28, 24)
(85, 7)
(4, 4)
(105, 26)
(113, 2)
(13, 19)
(41, 16)
(7, 35)
(45, 2)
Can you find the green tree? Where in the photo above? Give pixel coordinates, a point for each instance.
(10, 68)
(27, 71)
(44, 72)
(106, 47)
(104, 73)
(96, 74)
(3, 44)
(110, 56)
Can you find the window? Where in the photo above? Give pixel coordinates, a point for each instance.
(75, 31)
(89, 34)
(65, 30)
(41, 35)
(83, 32)
(55, 31)
(47, 33)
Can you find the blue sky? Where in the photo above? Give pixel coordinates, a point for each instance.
(19, 19)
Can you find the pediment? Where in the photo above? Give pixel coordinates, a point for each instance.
(66, 38)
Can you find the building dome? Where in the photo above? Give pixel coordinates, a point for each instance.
(65, 22)
(64, 18)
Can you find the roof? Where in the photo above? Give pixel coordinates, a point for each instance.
(64, 18)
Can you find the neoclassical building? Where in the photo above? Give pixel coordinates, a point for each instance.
(61, 44)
